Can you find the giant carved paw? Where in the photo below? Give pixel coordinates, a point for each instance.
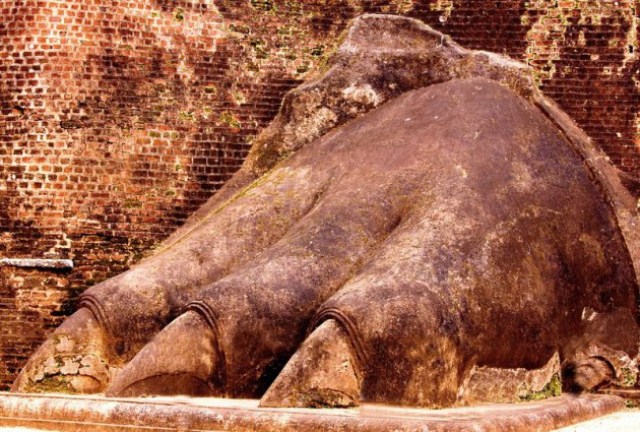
(452, 227)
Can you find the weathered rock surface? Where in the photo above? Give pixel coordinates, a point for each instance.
(464, 225)
(381, 57)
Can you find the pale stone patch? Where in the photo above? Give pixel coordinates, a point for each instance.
(362, 94)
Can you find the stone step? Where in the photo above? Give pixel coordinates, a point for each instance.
(97, 414)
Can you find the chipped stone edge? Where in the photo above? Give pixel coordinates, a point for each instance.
(37, 263)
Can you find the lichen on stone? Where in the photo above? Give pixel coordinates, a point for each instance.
(552, 389)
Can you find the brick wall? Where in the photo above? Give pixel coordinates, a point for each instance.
(119, 118)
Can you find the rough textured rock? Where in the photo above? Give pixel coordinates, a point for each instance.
(381, 57)
(466, 223)
(513, 385)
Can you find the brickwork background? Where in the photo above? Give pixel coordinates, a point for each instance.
(118, 118)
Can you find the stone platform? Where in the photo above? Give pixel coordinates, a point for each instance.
(76, 413)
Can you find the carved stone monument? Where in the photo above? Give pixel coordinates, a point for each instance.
(419, 226)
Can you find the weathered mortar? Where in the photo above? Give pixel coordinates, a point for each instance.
(119, 118)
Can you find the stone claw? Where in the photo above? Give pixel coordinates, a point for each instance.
(180, 360)
(322, 374)
(75, 359)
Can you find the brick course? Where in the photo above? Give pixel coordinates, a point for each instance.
(119, 118)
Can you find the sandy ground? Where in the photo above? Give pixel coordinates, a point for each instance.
(623, 421)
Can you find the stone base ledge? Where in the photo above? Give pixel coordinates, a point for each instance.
(632, 394)
(37, 263)
(97, 414)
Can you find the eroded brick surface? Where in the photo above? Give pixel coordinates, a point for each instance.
(119, 118)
